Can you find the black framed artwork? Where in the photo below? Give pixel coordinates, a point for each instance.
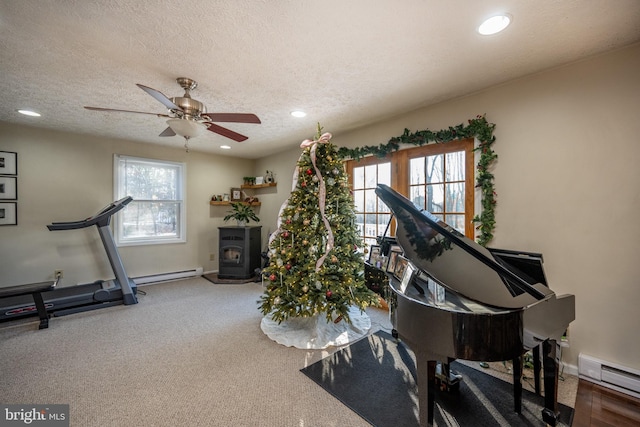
(8, 188)
(8, 163)
(8, 213)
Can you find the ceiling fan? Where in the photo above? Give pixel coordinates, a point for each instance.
(187, 117)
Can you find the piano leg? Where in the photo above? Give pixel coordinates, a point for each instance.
(426, 390)
(550, 413)
(518, 363)
(536, 368)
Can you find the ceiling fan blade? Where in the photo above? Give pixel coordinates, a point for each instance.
(226, 132)
(160, 97)
(125, 111)
(168, 132)
(232, 117)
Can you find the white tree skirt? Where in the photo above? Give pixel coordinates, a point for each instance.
(316, 332)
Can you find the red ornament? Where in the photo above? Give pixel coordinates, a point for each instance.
(272, 277)
(288, 266)
(329, 293)
(285, 234)
(303, 184)
(309, 172)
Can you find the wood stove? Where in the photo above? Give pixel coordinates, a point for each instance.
(239, 252)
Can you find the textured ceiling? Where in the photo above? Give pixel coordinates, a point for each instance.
(347, 63)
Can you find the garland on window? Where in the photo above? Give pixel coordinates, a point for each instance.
(475, 128)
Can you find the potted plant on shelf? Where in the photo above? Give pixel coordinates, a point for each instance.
(242, 213)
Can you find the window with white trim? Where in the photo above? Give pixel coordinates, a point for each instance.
(157, 213)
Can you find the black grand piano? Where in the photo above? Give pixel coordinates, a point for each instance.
(459, 300)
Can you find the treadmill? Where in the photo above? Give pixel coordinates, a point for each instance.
(90, 296)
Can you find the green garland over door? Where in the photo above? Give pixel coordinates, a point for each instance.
(475, 128)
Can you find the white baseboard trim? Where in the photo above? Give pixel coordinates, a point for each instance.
(620, 378)
(165, 277)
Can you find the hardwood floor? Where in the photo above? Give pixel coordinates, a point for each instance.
(598, 406)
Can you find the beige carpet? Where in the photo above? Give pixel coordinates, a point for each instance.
(190, 353)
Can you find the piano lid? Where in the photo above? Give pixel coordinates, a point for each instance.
(456, 261)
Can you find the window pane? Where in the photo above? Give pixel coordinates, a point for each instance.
(455, 166)
(416, 171)
(383, 220)
(358, 198)
(455, 197)
(417, 196)
(145, 181)
(370, 200)
(150, 219)
(456, 221)
(435, 198)
(435, 167)
(358, 178)
(384, 173)
(370, 225)
(370, 176)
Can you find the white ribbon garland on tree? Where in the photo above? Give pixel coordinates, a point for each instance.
(322, 193)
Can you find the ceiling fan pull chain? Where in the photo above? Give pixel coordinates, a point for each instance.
(186, 143)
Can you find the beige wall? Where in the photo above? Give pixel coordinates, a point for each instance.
(66, 177)
(568, 184)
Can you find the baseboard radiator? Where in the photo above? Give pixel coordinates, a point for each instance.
(165, 277)
(620, 378)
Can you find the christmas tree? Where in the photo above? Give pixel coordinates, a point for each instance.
(315, 266)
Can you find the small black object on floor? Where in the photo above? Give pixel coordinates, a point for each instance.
(213, 278)
(376, 378)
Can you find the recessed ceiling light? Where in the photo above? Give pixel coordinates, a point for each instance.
(29, 113)
(225, 147)
(494, 25)
(298, 113)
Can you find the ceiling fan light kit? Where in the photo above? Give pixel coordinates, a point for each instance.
(188, 117)
(186, 128)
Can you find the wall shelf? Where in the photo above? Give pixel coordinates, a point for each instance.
(256, 186)
(217, 203)
(244, 187)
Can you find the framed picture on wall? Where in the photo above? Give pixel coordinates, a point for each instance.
(8, 213)
(8, 188)
(8, 163)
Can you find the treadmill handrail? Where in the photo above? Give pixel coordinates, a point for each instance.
(101, 218)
